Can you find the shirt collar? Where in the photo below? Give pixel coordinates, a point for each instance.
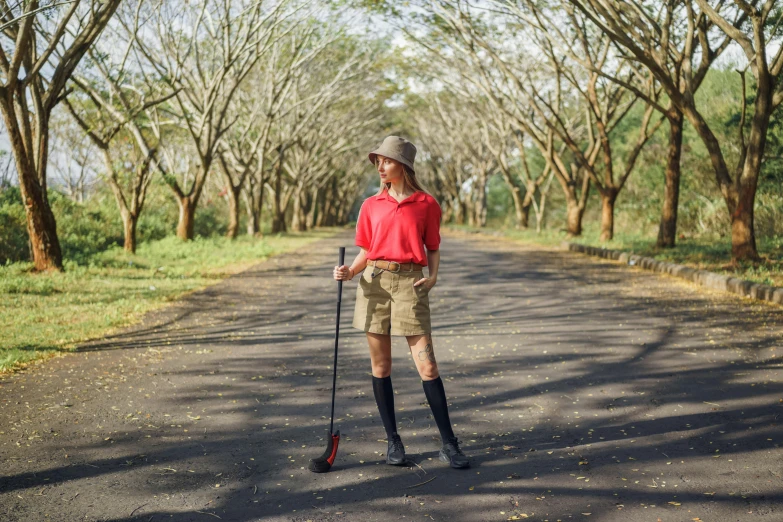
(416, 196)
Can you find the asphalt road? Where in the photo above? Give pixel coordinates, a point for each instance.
(582, 389)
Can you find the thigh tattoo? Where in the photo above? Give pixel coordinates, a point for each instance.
(427, 353)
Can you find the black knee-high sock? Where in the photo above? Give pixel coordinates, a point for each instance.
(384, 397)
(436, 396)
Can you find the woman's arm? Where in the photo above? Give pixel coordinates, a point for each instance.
(346, 273)
(432, 243)
(433, 260)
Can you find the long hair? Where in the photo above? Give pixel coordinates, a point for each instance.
(410, 180)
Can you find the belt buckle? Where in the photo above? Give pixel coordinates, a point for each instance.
(399, 266)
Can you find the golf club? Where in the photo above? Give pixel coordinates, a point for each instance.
(324, 463)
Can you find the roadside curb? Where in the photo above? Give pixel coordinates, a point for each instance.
(704, 278)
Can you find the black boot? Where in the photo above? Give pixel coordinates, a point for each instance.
(395, 452)
(451, 453)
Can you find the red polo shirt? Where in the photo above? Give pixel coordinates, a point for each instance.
(399, 231)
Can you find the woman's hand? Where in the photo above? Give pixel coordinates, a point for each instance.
(428, 282)
(343, 273)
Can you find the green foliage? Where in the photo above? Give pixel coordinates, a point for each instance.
(84, 229)
(13, 226)
(87, 229)
(16, 280)
(702, 211)
(211, 219)
(500, 206)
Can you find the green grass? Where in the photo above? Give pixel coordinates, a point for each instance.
(42, 314)
(701, 253)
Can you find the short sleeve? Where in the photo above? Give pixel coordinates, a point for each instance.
(363, 227)
(432, 226)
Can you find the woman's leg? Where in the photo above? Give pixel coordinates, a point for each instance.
(423, 353)
(380, 354)
(380, 358)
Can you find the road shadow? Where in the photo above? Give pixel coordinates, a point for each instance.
(573, 392)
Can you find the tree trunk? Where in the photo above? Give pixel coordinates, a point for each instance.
(278, 222)
(297, 210)
(522, 206)
(41, 225)
(743, 235)
(298, 217)
(253, 221)
(306, 205)
(345, 211)
(310, 217)
(470, 209)
(447, 210)
(254, 201)
(574, 215)
(459, 211)
(541, 213)
(667, 231)
(331, 215)
(332, 218)
(341, 216)
(575, 206)
(324, 214)
(233, 211)
(129, 222)
(480, 203)
(322, 203)
(278, 213)
(521, 212)
(523, 217)
(187, 214)
(607, 214)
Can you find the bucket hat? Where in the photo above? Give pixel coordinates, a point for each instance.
(396, 148)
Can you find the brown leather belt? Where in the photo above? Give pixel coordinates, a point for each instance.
(394, 266)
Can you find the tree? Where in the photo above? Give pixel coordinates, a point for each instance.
(71, 158)
(588, 62)
(686, 55)
(437, 119)
(110, 102)
(203, 50)
(259, 105)
(557, 94)
(42, 46)
(749, 25)
(507, 76)
(324, 83)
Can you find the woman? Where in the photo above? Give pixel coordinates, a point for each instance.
(393, 230)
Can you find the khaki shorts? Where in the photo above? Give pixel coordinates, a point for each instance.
(389, 304)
